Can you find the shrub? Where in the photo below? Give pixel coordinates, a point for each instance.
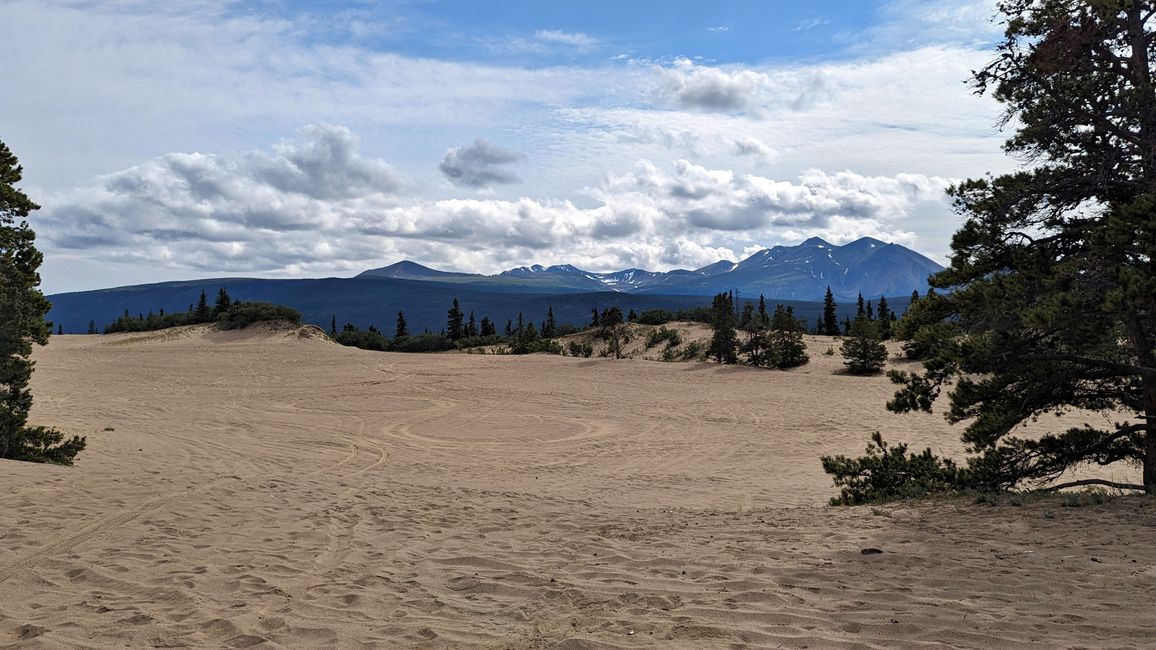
(577, 349)
(654, 317)
(863, 352)
(672, 338)
(244, 314)
(888, 473)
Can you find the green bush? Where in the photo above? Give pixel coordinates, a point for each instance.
(671, 337)
(654, 317)
(577, 349)
(887, 473)
(863, 352)
(244, 314)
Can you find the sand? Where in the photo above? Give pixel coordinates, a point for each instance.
(269, 489)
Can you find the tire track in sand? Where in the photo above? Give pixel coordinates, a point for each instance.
(97, 529)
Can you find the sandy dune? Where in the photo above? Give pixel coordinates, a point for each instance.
(249, 489)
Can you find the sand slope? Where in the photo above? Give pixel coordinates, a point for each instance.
(279, 490)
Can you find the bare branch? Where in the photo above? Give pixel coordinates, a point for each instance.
(1095, 481)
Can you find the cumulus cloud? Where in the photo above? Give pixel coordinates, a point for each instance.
(317, 203)
(751, 146)
(480, 164)
(696, 87)
(712, 89)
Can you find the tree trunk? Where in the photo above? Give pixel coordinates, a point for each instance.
(1149, 384)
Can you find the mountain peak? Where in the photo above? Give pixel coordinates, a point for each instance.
(407, 270)
(815, 242)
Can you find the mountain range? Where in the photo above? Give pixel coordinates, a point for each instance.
(795, 275)
(802, 272)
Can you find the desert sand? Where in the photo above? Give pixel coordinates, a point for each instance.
(266, 489)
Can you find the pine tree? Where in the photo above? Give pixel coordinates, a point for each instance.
(333, 324)
(763, 317)
(488, 327)
(870, 311)
(202, 313)
(594, 318)
(754, 326)
(886, 316)
(455, 328)
(60, 329)
(92, 327)
(471, 326)
(1053, 289)
(550, 328)
(223, 302)
(748, 316)
(611, 322)
(22, 311)
(723, 344)
(830, 317)
(860, 309)
(631, 317)
(401, 330)
(509, 328)
(785, 345)
(863, 352)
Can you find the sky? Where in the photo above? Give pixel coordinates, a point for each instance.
(275, 138)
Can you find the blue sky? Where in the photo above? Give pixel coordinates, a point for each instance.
(599, 31)
(285, 139)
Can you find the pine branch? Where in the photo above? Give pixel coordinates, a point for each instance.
(1126, 368)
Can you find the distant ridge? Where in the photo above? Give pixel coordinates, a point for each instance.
(789, 274)
(803, 272)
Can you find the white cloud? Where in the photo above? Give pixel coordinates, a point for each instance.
(751, 146)
(481, 164)
(285, 214)
(113, 84)
(574, 39)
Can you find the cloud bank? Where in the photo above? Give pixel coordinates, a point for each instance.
(318, 203)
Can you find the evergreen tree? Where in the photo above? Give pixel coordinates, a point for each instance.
(223, 302)
(1053, 301)
(550, 328)
(611, 329)
(401, 330)
(747, 318)
(763, 317)
(594, 318)
(785, 345)
(830, 318)
(60, 329)
(509, 328)
(754, 327)
(631, 317)
(455, 328)
(863, 352)
(860, 309)
(92, 327)
(723, 344)
(202, 313)
(333, 324)
(846, 326)
(22, 311)
(870, 311)
(488, 327)
(886, 316)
